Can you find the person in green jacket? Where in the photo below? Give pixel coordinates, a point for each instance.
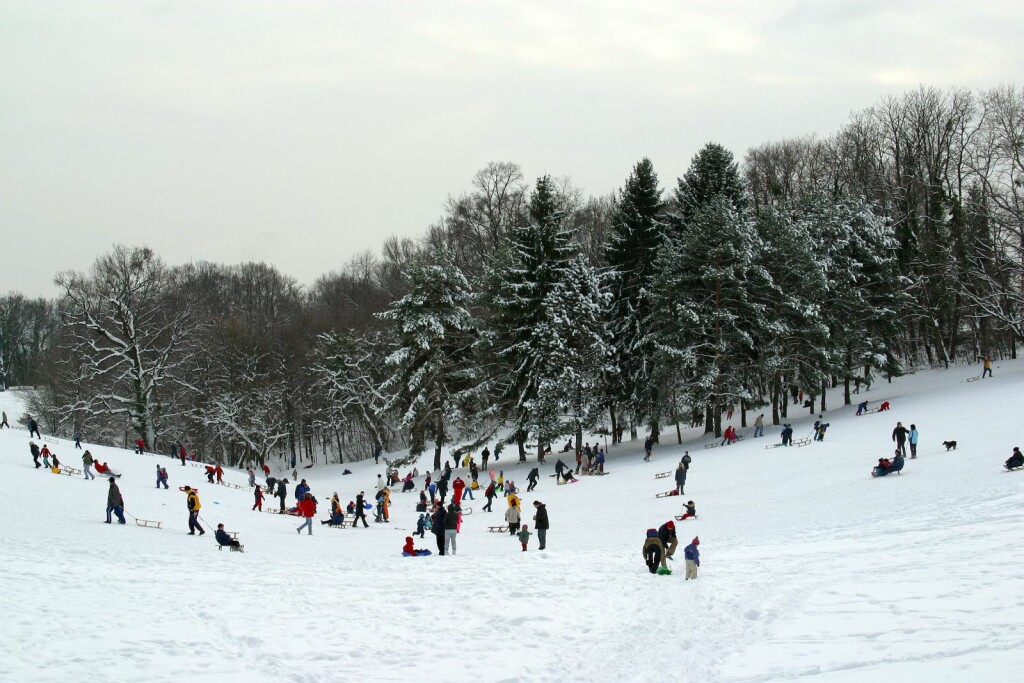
(86, 465)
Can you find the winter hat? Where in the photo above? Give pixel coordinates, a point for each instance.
(652, 533)
(696, 541)
(671, 524)
(111, 480)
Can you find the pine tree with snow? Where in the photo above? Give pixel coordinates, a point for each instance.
(712, 173)
(866, 293)
(435, 373)
(636, 237)
(794, 342)
(519, 332)
(708, 318)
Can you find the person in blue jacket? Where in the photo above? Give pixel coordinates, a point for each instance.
(600, 461)
(692, 555)
(301, 490)
(913, 441)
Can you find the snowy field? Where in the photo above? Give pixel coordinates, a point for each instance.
(811, 570)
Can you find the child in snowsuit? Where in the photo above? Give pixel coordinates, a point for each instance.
(692, 555)
(691, 510)
(421, 526)
(653, 551)
(524, 536)
(258, 505)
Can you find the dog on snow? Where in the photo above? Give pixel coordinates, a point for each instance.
(950, 445)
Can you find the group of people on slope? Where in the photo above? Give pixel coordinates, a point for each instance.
(660, 545)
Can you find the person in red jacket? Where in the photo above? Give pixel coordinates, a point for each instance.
(258, 505)
(307, 508)
(210, 471)
(220, 474)
(457, 487)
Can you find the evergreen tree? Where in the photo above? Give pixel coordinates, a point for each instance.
(713, 173)
(637, 235)
(435, 372)
(794, 341)
(520, 334)
(708, 322)
(866, 293)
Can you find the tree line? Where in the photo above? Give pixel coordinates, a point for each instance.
(531, 312)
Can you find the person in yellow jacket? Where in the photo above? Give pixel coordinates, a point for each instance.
(193, 511)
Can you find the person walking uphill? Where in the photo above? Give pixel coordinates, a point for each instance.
(307, 508)
(115, 503)
(194, 506)
(899, 435)
(913, 441)
(34, 450)
(33, 428)
(540, 523)
(692, 555)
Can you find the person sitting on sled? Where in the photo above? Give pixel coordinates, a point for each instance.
(409, 551)
(884, 465)
(1016, 460)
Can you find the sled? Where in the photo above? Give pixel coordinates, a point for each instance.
(148, 523)
(866, 412)
(182, 488)
(802, 442)
(233, 486)
(236, 549)
(70, 471)
(497, 529)
(466, 511)
(661, 475)
(876, 476)
(664, 571)
(972, 379)
(680, 518)
(666, 494)
(774, 445)
(713, 444)
(418, 553)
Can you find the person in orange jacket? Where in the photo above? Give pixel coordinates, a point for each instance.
(307, 508)
(220, 474)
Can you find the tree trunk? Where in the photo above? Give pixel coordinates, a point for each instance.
(709, 418)
(776, 389)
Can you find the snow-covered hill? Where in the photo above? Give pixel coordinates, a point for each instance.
(811, 569)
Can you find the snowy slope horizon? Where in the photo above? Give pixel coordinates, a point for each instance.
(811, 569)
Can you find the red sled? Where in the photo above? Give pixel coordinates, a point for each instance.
(666, 494)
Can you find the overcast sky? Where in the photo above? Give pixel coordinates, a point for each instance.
(300, 133)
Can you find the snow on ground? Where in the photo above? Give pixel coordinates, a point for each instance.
(811, 569)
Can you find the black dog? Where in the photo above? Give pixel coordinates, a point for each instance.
(950, 445)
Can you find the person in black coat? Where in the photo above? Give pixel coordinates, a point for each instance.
(540, 522)
(34, 450)
(532, 477)
(442, 488)
(667, 535)
(899, 435)
(282, 492)
(437, 521)
(680, 478)
(359, 512)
